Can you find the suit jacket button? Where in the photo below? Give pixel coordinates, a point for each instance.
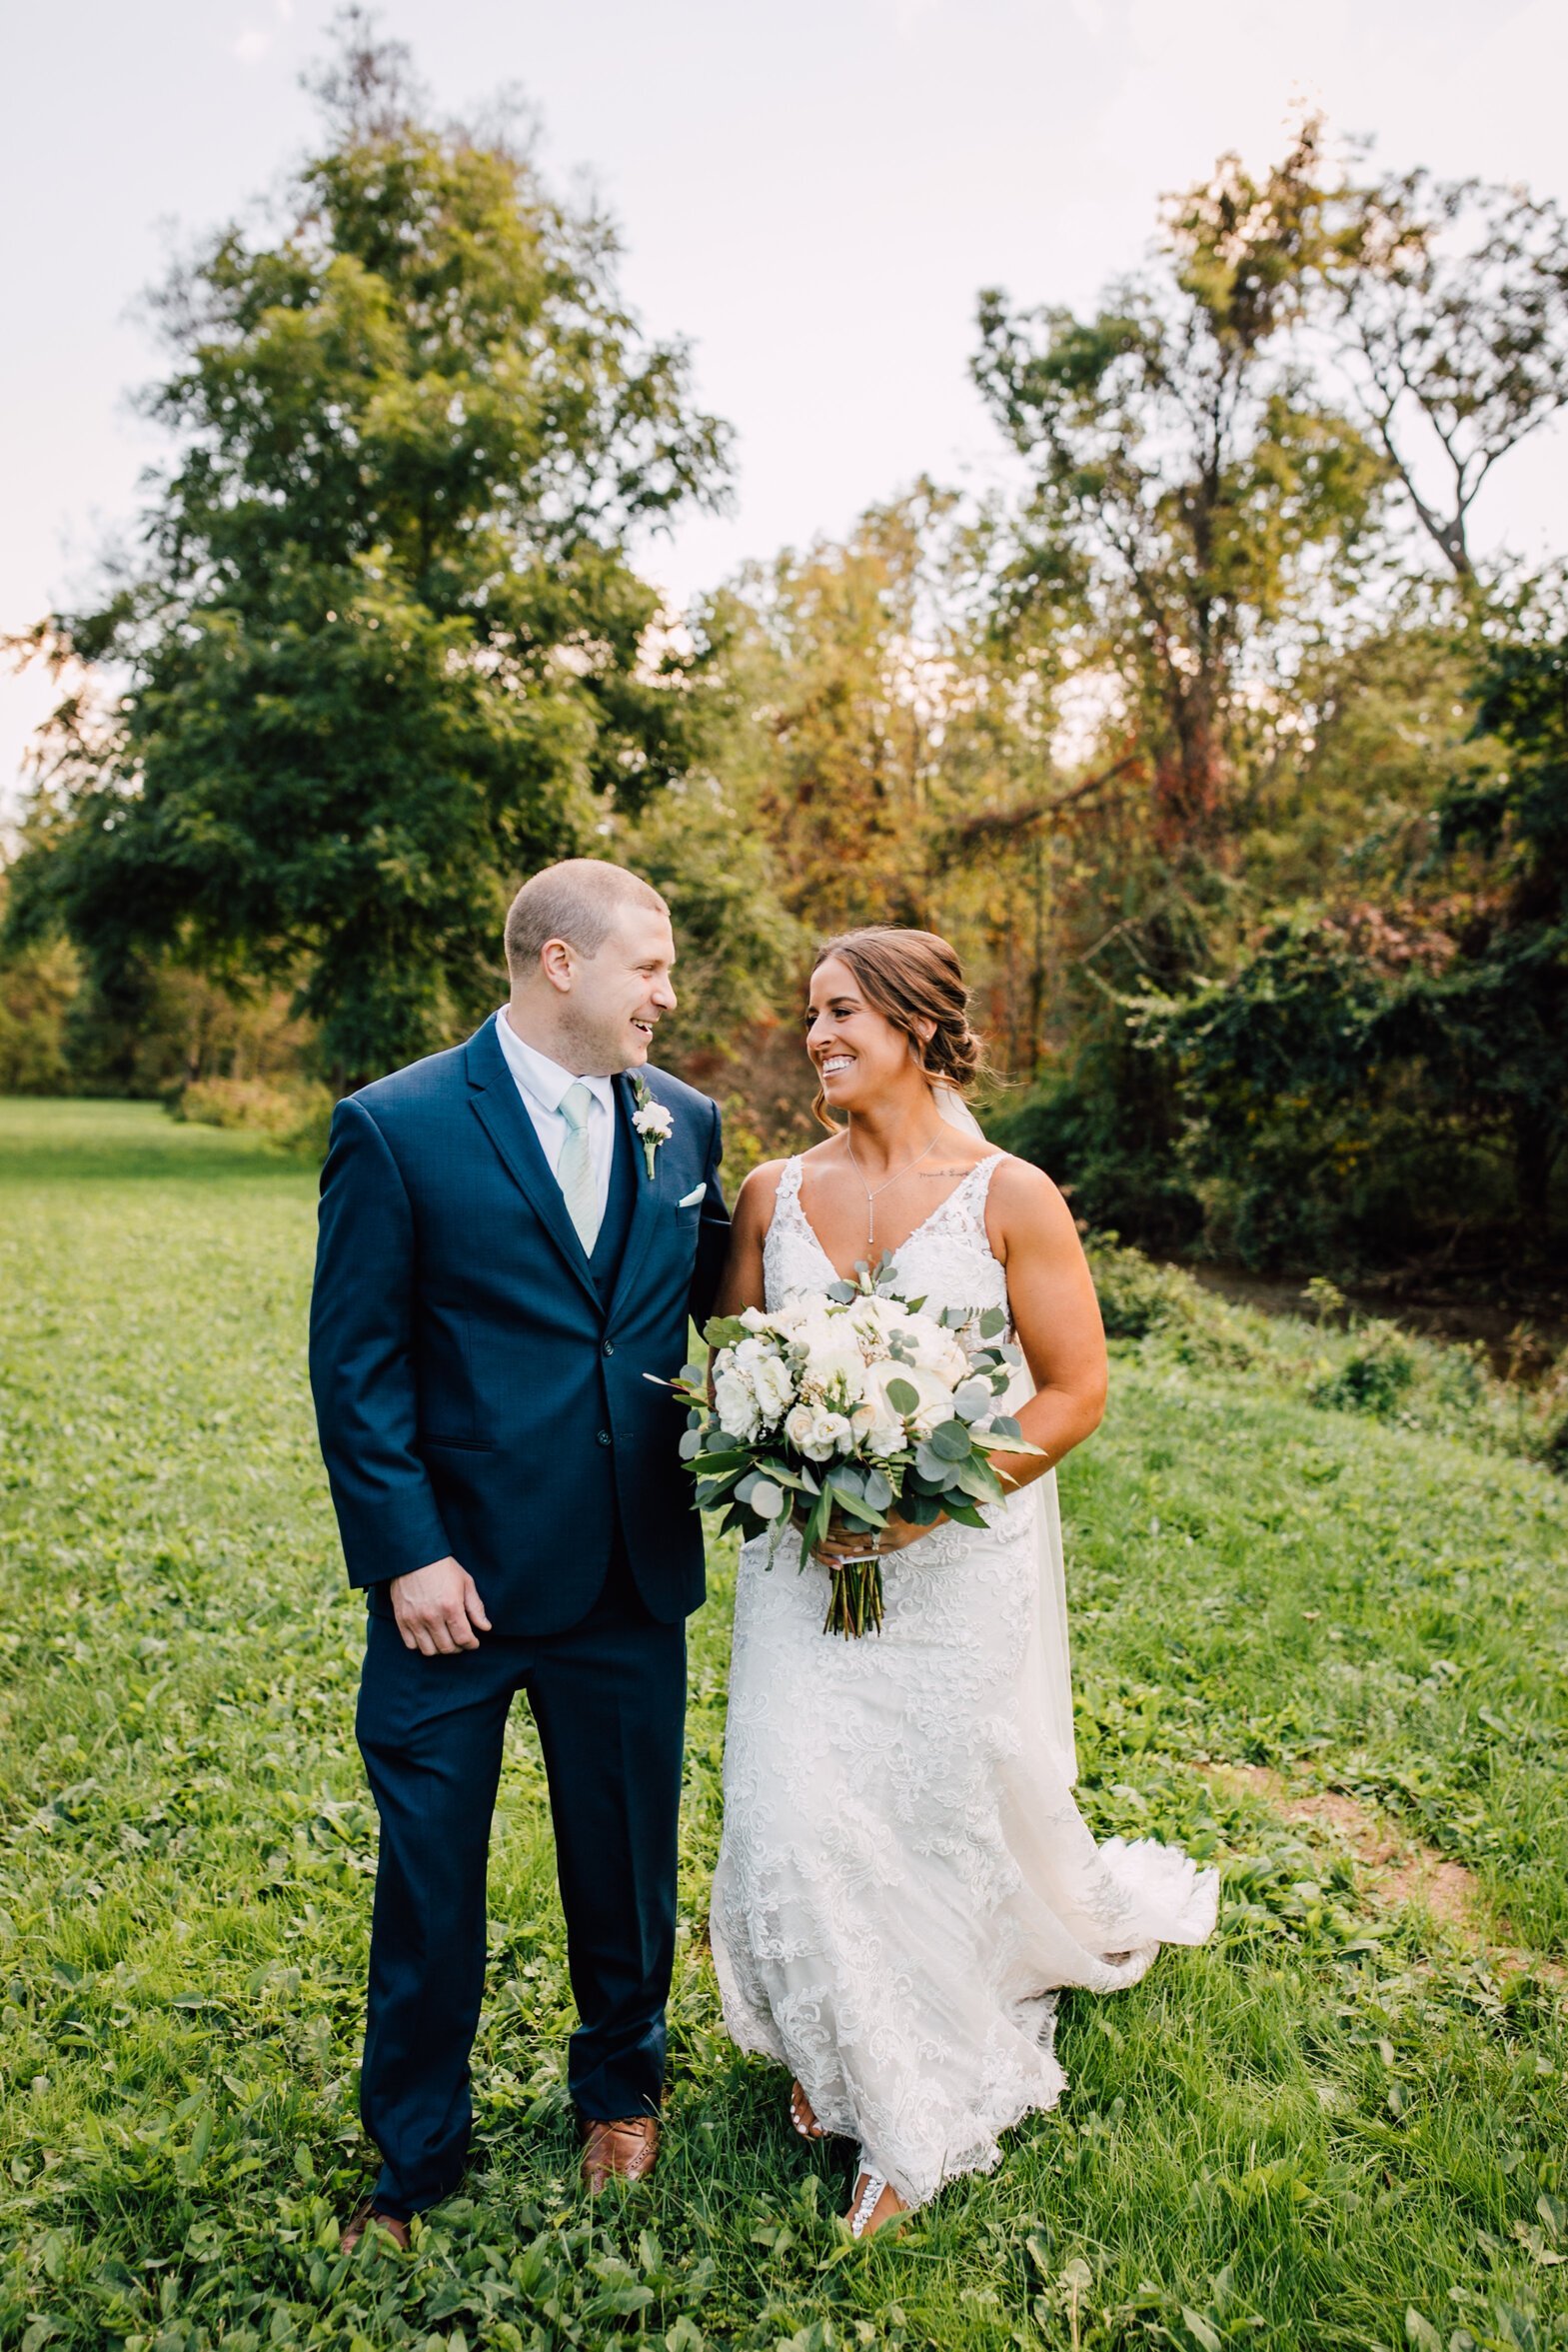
(605, 1437)
(610, 1347)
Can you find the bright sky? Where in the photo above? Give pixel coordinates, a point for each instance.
(812, 194)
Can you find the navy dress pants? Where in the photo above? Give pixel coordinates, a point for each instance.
(609, 1699)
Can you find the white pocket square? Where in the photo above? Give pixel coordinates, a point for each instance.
(687, 1198)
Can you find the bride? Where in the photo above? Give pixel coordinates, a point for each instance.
(905, 1879)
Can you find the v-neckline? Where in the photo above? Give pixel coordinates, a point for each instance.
(911, 1236)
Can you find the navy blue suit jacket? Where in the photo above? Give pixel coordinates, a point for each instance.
(477, 1393)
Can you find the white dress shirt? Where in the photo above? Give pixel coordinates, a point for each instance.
(542, 1084)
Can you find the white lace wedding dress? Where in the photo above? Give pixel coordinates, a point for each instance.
(904, 1877)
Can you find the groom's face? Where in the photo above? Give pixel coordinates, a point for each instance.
(618, 994)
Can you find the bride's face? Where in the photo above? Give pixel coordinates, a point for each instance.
(860, 1055)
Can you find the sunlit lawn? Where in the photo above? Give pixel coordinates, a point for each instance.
(1341, 2123)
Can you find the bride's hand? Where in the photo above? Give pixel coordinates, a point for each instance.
(843, 1543)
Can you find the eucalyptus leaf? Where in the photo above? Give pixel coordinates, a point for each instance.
(919, 1509)
(903, 1397)
(951, 1441)
(724, 1330)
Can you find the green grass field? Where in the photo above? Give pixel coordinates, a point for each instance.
(1329, 1650)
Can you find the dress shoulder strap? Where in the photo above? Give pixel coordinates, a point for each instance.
(788, 1188)
(984, 1170)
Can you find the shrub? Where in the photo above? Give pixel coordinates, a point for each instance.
(1374, 1380)
(296, 1116)
(37, 985)
(1136, 1296)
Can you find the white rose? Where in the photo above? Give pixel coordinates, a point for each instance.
(815, 1330)
(817, 1433)
(774, 1388)
(736, 1405)
(936, 1350)
(935, 1399)
(798, 1424)
(878, 1432)
(837, 1371)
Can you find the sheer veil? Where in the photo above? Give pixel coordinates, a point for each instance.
(1048, 1665)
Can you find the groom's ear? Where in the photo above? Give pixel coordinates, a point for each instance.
(555, 961)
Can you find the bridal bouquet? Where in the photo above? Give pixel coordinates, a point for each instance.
(849, 1400)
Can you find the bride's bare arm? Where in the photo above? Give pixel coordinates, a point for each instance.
(1055, 1312)
(742, 1281)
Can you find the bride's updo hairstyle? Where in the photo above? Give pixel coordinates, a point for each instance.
(911, 977)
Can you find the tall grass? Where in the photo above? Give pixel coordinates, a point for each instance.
(1341, 2123)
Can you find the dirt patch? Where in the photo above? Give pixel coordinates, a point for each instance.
(1398, 1868)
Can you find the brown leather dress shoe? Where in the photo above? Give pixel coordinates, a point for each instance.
(623, 2150)
(368, 2217)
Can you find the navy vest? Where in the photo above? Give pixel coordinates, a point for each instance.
(625, 1168)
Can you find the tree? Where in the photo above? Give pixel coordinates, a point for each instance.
(383, 644)
(1434, 1029)
(1451, 299)
(1189, 490)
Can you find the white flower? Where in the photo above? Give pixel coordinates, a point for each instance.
(936, 1350)
(817, 1433)
(736, 1405)
(934, 1398)
(879, 1432)
(774, 1388)
(874, 1321)
(654, 1118)
(836, 1372)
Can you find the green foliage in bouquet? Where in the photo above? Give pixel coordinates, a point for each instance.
(925, 1469)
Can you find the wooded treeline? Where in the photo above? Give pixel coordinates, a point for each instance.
(1237, 775)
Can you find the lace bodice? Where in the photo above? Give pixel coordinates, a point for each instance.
(947, 1259)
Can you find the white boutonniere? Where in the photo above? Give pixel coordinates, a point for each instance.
(652, 1120)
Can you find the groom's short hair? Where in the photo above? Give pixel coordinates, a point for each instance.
(577, 900)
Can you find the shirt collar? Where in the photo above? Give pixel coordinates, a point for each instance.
(542, 1078)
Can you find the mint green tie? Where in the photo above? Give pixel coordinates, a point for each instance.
(575, 1174)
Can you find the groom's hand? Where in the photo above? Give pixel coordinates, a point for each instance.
(437, 1608)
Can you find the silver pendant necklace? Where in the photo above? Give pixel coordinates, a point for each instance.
(871, 1190)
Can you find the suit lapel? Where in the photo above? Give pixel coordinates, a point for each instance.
(650, 1194)
(499, 1108)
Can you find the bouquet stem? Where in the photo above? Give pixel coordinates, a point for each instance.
(855, 1598)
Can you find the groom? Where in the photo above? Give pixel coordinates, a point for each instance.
(513, 1233)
